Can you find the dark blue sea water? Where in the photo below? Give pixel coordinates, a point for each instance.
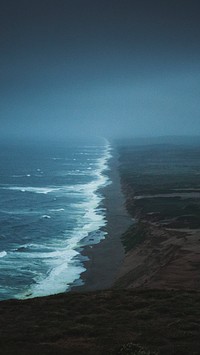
(50, 207)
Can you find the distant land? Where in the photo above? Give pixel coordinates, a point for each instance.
(153, 304)
(161, 183)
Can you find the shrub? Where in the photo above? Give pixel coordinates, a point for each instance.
(135, 349)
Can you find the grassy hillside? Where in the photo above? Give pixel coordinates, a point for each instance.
(106, 322)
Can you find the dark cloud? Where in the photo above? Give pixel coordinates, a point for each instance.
(99, 67)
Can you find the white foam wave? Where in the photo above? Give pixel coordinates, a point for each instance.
(31, 247)
(46, 216)
(63, 268)
(38, 190)
(77, 173)
(3, 253)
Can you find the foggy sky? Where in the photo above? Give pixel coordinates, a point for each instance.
(109, 68)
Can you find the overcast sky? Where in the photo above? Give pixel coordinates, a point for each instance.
(110, 68)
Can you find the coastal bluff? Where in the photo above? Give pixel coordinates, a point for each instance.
(162, 189)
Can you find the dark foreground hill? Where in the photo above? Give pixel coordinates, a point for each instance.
(104, 322)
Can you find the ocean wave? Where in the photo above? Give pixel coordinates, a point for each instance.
(61, 265)
(78, 173)
(92, 221)
(46, 216)
(32, 248)
(38, 190)
(20, 212)
(18, 176)
(3, 253)
(57, 260)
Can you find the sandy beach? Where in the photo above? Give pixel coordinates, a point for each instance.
(105, 258)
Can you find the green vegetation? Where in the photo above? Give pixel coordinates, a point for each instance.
(135, 235)
(185, 210)
(135, 349)
(162, 169)
(112, 322)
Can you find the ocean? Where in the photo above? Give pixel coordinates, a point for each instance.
(51, 206)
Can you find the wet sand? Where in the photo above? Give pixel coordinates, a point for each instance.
(105, 258)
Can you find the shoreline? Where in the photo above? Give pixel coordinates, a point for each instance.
(106, 257)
